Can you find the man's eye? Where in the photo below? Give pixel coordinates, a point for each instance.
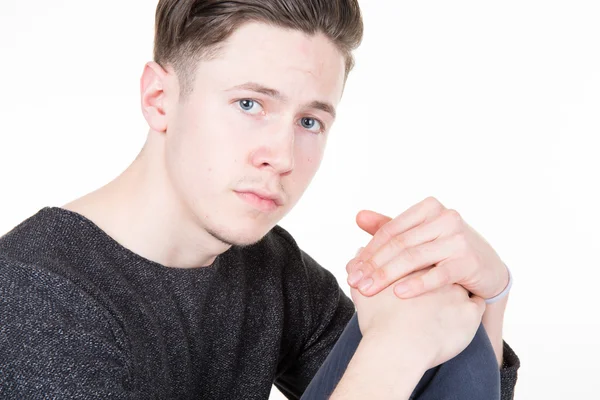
(311, 124)
(250, 106)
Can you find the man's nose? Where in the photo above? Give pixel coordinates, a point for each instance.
(276, 150)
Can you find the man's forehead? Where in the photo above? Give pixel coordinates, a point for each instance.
(275, 63)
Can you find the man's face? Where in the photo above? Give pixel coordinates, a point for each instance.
(257, 120)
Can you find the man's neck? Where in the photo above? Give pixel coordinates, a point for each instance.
(138, 210)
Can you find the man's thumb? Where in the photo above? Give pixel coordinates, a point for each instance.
(370, 221)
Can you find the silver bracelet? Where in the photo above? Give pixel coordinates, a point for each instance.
(504, 293)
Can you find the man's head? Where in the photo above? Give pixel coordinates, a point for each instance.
(240, 98)
(187, 31)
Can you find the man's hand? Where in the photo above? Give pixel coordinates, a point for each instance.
(424, 331)
(402, 339)
(427, 234)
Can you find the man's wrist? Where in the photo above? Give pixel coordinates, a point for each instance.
(502, 290)
(390, 345)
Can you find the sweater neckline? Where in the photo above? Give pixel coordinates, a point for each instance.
(75, 220)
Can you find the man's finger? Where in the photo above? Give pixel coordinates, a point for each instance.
(426, 210)
(370, 222)
(439, 276)
(443, 226)
(376, 278)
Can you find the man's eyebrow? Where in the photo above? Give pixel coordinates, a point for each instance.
(257, 87)
(276, 94)
(319, 105)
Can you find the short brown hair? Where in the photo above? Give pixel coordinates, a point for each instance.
(187, 31)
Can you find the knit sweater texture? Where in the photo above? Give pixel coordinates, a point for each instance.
(82, 317)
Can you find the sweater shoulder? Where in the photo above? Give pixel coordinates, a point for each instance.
(36, 272)
(19, 278)
(300, 263)
(316, 284)
(32, 291)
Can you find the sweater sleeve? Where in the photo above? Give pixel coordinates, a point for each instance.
(329, 310)
(55, 341)
(508, 373)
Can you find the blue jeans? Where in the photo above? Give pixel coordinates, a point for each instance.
(471, 375)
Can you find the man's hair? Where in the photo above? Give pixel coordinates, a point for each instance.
(188, 31)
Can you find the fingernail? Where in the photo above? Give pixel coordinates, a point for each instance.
(366, 284)
(356, 264)
(354, 277)
(400, 289)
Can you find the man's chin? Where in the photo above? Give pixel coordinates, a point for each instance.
(238, 236)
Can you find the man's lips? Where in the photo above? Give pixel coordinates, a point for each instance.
(264, 195)
(258, 202)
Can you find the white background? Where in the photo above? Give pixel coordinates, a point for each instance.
(492, 107)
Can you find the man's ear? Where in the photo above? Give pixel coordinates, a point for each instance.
(154, 87)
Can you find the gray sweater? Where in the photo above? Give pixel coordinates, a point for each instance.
(82, 317)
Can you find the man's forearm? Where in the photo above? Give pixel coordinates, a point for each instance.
(493, 321)
(378, 372)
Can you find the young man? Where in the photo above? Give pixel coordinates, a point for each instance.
(174, 281)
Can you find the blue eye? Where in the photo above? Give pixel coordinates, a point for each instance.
(311, 124)
(250, 106)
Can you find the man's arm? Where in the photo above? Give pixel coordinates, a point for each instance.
(430, 234)
(508, 361)
(493, 321)
(404, 338)
(331, 310)
(373, 373)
